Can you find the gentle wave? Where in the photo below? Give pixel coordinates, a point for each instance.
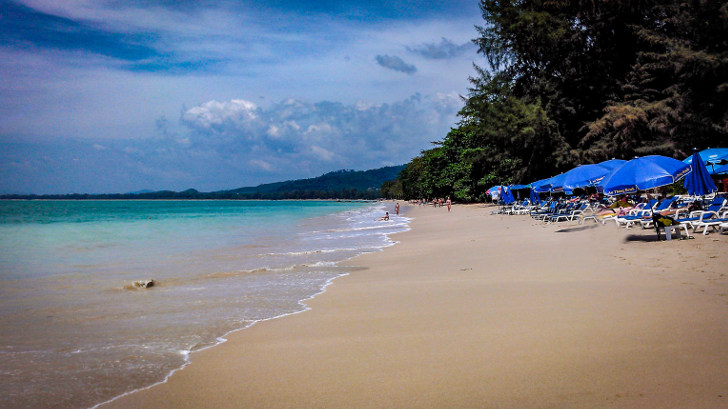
(235, 265)
(220, 340)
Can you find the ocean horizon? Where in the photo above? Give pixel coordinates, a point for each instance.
(77, 332)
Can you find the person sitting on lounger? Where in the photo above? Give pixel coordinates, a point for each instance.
(619, 208)
(696, 205)
(660, 221)
(671, 209)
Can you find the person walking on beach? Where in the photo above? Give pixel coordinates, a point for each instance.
(396, 209)
(449, 203)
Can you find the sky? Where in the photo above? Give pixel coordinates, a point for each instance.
(116, 96)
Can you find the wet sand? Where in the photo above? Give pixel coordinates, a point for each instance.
(473, 310)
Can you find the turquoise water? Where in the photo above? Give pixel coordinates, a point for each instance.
(77, 332)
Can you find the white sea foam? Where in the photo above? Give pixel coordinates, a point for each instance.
(219, 270)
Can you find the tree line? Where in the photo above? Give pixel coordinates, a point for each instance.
(577, 82)
(340, 184)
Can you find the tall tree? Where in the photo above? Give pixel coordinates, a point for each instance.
(676, 95)
(580, 82)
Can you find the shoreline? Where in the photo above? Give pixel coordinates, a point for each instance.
(302, 303)
(84, 338)
(363, 335)
(221, 340)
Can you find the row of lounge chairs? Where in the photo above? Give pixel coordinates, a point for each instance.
(709, 219)
(552, 211)
(673, 210)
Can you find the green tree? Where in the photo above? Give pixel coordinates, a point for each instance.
(575, 82)
(676, 95)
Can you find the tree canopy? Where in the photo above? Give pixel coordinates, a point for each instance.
(575, 82)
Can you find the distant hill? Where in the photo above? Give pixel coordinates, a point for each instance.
(341, 184)
(347, 184)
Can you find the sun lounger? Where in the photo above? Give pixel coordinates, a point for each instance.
(562, 208)
(640, 212)
(547, 209)
(569, 216)
(707, 222)
(669, 226)
(520, 208)
(723, 227)
(588, 214)
(646, 222)
(709, 218)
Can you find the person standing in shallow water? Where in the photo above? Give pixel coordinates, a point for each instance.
(396, 209)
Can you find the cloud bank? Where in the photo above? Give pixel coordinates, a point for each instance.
(113, 96)
(312, 137)
(218, 145)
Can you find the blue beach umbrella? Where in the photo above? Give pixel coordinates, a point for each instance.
(698, 182)
(495, 190)
(580, 176)
(507, 195)
(711, 155)
(542, 186)
(612, 163)
(534, 197)
(721, 169)
(556, 183)
(644, 173)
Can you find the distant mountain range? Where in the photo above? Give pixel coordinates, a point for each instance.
(341, 184)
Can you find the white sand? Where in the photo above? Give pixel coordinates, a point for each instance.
(473, 310)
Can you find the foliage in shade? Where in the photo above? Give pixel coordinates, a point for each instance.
(581, 82)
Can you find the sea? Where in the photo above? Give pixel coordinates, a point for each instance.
(75, 331)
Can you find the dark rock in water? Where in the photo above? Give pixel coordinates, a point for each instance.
(145, 283)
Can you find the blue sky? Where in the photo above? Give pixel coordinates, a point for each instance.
(103, 96)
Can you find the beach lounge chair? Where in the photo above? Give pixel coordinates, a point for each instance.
(615, 213)
(669, 225)
(569, 215)
(708, 218)
(647, 222)
(588, 214)
(723, 227)
(562, 208)
(517, 208)
(641, 211)
(528, 208)
(707, 222)
(549, 207)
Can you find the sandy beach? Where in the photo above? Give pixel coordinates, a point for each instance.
(473, 310)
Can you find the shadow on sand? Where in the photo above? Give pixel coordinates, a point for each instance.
(573, 229)
(642, 237)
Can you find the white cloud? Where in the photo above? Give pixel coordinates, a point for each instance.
(261, 164)
(223, 117)
(322, 153)
(379, 117)
(297, 134)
